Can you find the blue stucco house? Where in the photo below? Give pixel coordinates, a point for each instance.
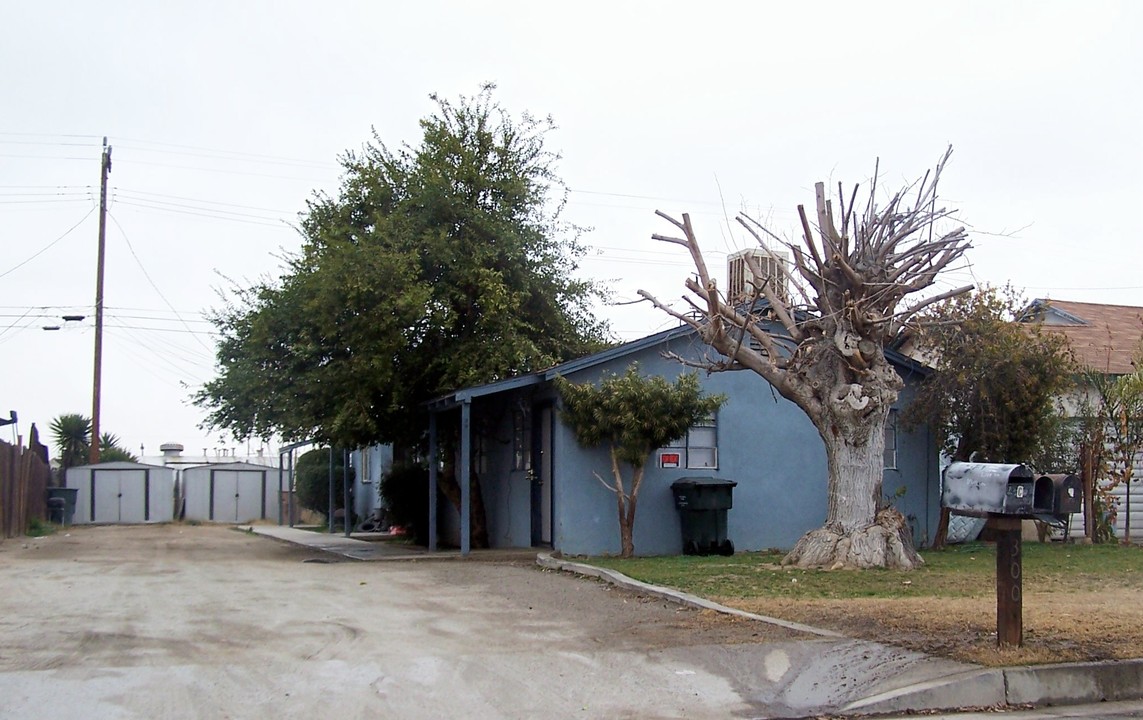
(539, 490)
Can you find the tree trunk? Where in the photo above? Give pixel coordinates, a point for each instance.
(626, 535)
(450, 488)
(858, 532)
(625, 506)
(942, 536)
(1087, 483)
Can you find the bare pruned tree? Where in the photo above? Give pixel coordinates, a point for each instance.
(822, 344)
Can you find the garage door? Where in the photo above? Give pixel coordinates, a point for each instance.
(120, 496)
(237, 495)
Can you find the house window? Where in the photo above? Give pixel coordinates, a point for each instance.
(362, 457)
(521, 440)
(479, 454)
(696, 450)
(891, 441)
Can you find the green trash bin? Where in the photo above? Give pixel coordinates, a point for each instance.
(702, 503)
(66, 512)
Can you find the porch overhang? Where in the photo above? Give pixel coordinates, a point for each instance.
(467, 395)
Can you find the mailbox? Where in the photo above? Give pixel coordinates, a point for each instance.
(1057, 495)
(984, 489)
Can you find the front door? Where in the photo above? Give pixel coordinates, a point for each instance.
(541, 474)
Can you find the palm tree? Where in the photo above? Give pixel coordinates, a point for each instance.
(71, 433)
(111, 451)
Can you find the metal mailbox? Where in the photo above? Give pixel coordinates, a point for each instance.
(983, 489)
(1057, 495)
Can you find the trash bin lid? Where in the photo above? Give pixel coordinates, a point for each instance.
(691, 482)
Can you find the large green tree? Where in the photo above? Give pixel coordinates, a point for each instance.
(435, 266)
(632, 415)
(994, 393)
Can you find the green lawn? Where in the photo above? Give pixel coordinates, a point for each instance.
(960, 571)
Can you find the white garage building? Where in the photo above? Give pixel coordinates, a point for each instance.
(230, 493)
(122, 492)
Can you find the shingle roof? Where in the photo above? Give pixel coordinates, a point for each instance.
(1104, 338)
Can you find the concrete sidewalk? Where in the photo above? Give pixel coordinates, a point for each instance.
(827, 672)
(376, 548)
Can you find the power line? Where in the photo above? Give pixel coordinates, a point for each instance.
(44, 142)
(282, 224)
(54, 201)
(221, 213)
(48, 246)
(172, 349)
(254, 159)
(228, 152)
(35, 134)
(156, 363)
(216, 170)
(148, 275)
(44, 157)
(44, 187)
(199, 200)
(14, 324)
(46, 194)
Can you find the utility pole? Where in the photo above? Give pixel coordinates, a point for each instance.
(95, 387)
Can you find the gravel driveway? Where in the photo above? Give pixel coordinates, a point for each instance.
(179, 621)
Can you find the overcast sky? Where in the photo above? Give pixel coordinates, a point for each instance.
(225, 116)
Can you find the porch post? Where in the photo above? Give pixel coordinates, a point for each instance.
(290, 494)
(281, 462)
(432, 480)
(465, 477)
(345, 489)
(331, 495)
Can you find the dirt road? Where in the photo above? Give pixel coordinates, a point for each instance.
(179, 621)
(204, 622)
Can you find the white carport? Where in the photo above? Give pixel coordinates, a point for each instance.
(122, 492)
(230, 493)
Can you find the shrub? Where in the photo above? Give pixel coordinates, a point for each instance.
(312, 480)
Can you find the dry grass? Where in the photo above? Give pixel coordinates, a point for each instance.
(1080, 602)
(1058, 627)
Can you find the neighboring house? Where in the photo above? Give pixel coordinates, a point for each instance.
(539, 490)
(1104, 339)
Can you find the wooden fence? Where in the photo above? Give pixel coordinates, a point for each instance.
(23, 485)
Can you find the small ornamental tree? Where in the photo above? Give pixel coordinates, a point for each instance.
(992, 395)
(1120, 411)
(632, 415)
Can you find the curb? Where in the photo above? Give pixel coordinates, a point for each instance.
(1062, 684)
(677, 596)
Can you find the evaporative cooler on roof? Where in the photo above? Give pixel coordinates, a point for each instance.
(743, 282)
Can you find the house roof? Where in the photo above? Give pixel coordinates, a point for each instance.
(470, 393)
(454, 399)
(1104, 338)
